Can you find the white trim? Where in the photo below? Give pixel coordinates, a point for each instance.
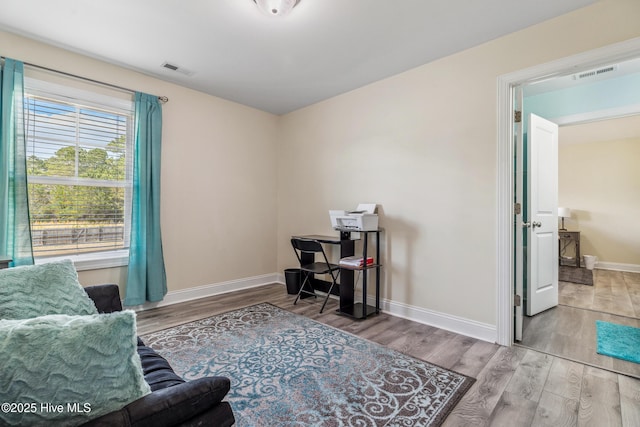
(72, 180)
(504, 214)
(504, 219)
(456, 324)
(92, 260)
(459, 325)
(204, 291)
(617, 266)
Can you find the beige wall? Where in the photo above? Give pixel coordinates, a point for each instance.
(218, 175)
(600, 182)
(423, 145)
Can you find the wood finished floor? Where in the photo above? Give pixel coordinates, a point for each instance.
(614, 292)
(569, 330)
(514, 386)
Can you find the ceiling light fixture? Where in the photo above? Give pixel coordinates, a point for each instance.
(276, 7)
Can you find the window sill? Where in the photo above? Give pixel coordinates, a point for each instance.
(92, 261)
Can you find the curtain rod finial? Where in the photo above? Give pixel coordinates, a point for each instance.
(163, 99)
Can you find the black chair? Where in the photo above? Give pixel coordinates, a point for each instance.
(306, 250)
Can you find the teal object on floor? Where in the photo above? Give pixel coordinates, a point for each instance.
(619, 341)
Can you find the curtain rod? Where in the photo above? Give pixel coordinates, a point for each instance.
(162, 99)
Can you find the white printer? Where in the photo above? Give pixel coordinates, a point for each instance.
(364, 218)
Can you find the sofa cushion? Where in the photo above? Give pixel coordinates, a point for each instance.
(105, 297)
(90, 361)
(179, 404)
(38, 290)
(157, 371)
(192, 403)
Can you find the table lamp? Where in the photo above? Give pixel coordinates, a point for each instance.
(564, 213)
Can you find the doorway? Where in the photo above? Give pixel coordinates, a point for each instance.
(506, 210)
(598, 179)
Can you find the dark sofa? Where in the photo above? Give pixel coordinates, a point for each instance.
(173, 401)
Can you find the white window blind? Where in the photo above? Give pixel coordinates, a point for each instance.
(79, 166)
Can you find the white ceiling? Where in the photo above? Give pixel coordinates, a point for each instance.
(233, 51)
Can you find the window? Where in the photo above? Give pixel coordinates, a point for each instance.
(79, 166)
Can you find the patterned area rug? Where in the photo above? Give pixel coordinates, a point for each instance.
(578, 275)
(287, 370)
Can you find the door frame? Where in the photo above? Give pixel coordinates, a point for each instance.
(505, 179)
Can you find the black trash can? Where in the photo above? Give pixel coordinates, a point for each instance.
(292, 279)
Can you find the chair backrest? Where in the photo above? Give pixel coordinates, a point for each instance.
(308, 246)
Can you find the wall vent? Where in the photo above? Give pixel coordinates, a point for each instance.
(172, 67)
(595, 73)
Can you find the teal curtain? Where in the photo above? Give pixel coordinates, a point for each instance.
(147, 280)
(15, 230)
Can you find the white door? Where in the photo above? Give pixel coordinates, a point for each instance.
(542, 215)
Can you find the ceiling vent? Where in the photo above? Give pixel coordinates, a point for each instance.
(172, 67)
(595, 73)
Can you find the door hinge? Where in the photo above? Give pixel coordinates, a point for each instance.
(517, 209)
(516, 300)
(517, 116)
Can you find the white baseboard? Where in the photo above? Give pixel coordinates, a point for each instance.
(616, 266)
(190, 294)
(460, 325)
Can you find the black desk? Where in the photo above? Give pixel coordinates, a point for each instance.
(4, 262)
(346, 288)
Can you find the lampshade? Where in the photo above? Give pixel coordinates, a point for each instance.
(564, 212)
(276, 7)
